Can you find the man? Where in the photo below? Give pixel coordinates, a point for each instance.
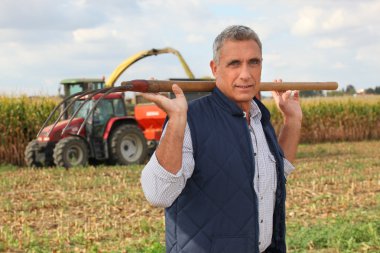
(219, 169)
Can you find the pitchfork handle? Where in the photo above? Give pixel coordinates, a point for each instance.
(155, 86)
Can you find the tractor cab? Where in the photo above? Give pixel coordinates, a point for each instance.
(98, 111)
(74, 85)
(102, 116)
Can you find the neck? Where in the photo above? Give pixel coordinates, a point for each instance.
(246, 107)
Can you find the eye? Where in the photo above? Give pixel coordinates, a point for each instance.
(234, 63)
(255, 61)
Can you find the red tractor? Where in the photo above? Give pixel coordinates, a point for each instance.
(99, 130)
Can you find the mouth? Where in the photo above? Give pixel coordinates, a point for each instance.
(244, 86)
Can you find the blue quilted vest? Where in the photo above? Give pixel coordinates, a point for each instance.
(217, 210)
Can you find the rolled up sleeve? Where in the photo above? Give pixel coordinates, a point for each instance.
(160, 187)
(288, 167)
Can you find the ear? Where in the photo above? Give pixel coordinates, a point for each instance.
(213, 67)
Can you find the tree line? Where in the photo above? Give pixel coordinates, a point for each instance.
(348, 90)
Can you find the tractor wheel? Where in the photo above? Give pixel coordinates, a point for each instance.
(71, 152)
(31, 155)
(127, 145)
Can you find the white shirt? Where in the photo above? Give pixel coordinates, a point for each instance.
(161, 188)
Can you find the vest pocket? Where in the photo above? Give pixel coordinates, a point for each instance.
(231, 244)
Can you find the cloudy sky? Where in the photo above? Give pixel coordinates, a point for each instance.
(44, 41)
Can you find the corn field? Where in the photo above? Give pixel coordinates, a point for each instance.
(325, 119)
(21, 118)
(336, 119)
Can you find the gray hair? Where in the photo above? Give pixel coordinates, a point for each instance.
(234, 33)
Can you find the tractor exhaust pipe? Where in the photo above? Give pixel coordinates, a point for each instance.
(154, 86)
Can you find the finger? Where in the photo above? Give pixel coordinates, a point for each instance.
(178, 92)
(150, 97)
(278, 93)
(296, 95)
(286, 95)
(275, 93)
(146, 95)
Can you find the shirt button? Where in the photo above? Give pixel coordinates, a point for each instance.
(261, 197)
(259, 243)
(261, 221)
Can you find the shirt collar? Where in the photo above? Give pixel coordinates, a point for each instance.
(255, 110)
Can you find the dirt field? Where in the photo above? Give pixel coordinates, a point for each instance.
(333, 205)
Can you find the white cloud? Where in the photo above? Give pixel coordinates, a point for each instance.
(308, 21)
(274, 59)
(336, 17)
(338, 65)
(92, 34)
(336, 20)
(369, 54)
(48, 15)
(330, 43)
(195, 38)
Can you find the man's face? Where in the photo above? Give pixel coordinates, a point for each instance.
(238, 72)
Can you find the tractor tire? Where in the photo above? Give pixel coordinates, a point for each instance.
(31, 156)
(127, 145)
(70, 152)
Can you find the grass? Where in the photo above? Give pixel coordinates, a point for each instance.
(333, 205)
(74, 210)
(333, 202)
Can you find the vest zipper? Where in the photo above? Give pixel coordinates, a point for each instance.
(249, 129)
(255, 200)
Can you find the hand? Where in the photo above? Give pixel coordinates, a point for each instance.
(288, 103)
(169, 151)
(172, 107)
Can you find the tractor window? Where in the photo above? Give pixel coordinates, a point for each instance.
(84, 110)
(95, 86)
(75, 88)
(118, 104)
(103, 112)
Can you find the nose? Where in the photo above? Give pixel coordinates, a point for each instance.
(245, 74)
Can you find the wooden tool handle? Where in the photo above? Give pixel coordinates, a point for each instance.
(155, 86)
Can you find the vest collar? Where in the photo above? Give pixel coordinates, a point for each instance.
(224, 102)
(230, 106)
